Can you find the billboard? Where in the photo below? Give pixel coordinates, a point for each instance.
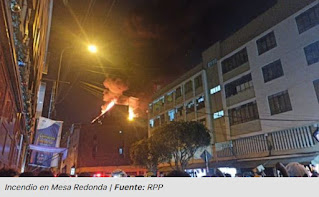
(48, 134)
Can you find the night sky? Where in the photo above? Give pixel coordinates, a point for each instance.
(143, 42)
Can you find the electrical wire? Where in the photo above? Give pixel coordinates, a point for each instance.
(108, 12)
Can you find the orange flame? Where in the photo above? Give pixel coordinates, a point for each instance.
(108, 107)
(104, 110)
(131, 115)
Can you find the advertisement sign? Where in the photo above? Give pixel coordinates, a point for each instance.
(48, 134)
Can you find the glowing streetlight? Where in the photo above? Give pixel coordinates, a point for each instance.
(92, 48)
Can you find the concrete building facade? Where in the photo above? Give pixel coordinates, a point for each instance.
(262, 89)
(186, 99)
(269, 92)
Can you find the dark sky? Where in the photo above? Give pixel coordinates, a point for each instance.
(144, 42)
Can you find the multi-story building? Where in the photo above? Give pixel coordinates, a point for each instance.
(267, 73)
(263, 89)
(185, 99)
(24, 35)
(104, 145)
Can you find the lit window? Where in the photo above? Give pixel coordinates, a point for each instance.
(200, 103)
(171, 115)
(151, 123)
(190, 107)
(219, 114)
(121, 151)
(120, 132)
(215, 89)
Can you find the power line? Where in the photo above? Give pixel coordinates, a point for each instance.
(108, 12)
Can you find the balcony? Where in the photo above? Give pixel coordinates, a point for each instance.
(190, 116)
(246, 127)
(241, 96)
(189, 95)
(290, 141)
(237, 71)
(178, 100)
(169, 105)
(199, 90)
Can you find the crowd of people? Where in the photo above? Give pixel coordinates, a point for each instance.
(293, 169)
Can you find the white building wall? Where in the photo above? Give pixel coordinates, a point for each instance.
(298, 77)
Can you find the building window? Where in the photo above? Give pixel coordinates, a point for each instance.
(171, 115)
(200, 103)
(238, 85)
(316, 86)
(272, 71)
(151, 123)
(308, 19)
(178, 92)
(190, 107)
(266, 43)
(169, 98)
(312, 53)
(156, 121)
(235, 61)
(159, 104)
(150, 107)
(215, 89)
(244, 113)
(188, 87)
(179, 111)
(279, 103)
(162, 118)
(212, 63)
(198, 82)
(121, 151)
(218, 114)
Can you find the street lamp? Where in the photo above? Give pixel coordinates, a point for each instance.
(91, 49)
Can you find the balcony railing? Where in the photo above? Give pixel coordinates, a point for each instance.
(284, 140)
(292, 139)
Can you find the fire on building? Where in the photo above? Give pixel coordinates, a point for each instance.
(103, 146)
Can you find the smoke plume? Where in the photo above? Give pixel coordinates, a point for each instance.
(113, 93)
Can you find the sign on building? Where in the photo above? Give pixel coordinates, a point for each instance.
(48, 134)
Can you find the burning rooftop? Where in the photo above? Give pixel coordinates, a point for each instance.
(116, 112)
